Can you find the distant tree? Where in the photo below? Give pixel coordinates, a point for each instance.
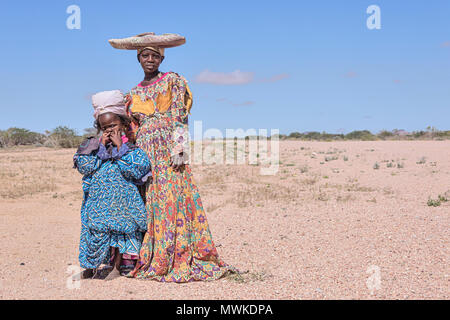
(295, 135)
(419, 134)
(19, 136)
(360, 135)
(313, 135)
(90, 132)
(63, 137)
(383, 134)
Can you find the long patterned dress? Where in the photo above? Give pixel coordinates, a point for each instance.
(178, 245)
(112, 213)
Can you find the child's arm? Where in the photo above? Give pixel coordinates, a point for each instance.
(87, 164)
(85, 159)
(134, 164)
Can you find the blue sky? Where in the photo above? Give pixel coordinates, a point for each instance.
(297, 65)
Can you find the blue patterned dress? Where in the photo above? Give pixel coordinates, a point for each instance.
(113, 213)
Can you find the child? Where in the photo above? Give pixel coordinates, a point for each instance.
(113, 214)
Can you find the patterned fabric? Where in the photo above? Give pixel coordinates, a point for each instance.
(113, 213)
(178, 245)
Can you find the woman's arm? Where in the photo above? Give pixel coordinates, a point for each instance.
(181, 103)
(134, 125)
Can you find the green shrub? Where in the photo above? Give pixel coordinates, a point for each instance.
(360, 135)
(19, 136)
(63, 137)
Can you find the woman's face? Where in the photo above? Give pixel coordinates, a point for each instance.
(150, 60)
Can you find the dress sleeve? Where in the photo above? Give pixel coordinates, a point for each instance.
(87, 164)
(181, 102)
(134, 165)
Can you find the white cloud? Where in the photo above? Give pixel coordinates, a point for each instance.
(236, 104)
(236, 77)
(275, 78)
(245, 103)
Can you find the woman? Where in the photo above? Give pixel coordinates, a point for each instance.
(177, 246)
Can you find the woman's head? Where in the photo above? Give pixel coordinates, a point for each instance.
(150, 59)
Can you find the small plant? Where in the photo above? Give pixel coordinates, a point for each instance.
(389, 165)
(376, 166)
(433, 203)
(436, 202)
(331, 158)
(422, 160)
(345, 158)
(304, 169)
(400, 165)
(322, 197)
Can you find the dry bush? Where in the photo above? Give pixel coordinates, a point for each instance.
(26, 172)
(257, 194)
(212, 178)
(18, 184)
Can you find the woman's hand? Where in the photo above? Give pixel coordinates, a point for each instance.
(116, 139)
(177, 162)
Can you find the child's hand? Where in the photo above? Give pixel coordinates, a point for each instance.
(105, 138)
(116, 138)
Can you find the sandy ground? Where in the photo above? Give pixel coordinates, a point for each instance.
(328, 225)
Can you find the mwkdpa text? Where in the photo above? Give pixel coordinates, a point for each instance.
(245, 309)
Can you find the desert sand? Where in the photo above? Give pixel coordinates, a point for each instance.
(340, 220)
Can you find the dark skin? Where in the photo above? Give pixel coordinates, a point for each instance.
(112, 128)
(150, 61)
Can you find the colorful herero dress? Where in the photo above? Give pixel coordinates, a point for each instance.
(113, 213)
(178, 245)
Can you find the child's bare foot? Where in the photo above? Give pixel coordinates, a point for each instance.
(87, 274)
(102, 272)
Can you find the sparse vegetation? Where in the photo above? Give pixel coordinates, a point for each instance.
(437, 202)
(247, 276)
(60, 137)
(431, 133)
(422, 160)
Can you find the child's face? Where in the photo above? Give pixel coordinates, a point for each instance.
(110, 122)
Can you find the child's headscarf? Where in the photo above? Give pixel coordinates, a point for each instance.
(108, 101)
